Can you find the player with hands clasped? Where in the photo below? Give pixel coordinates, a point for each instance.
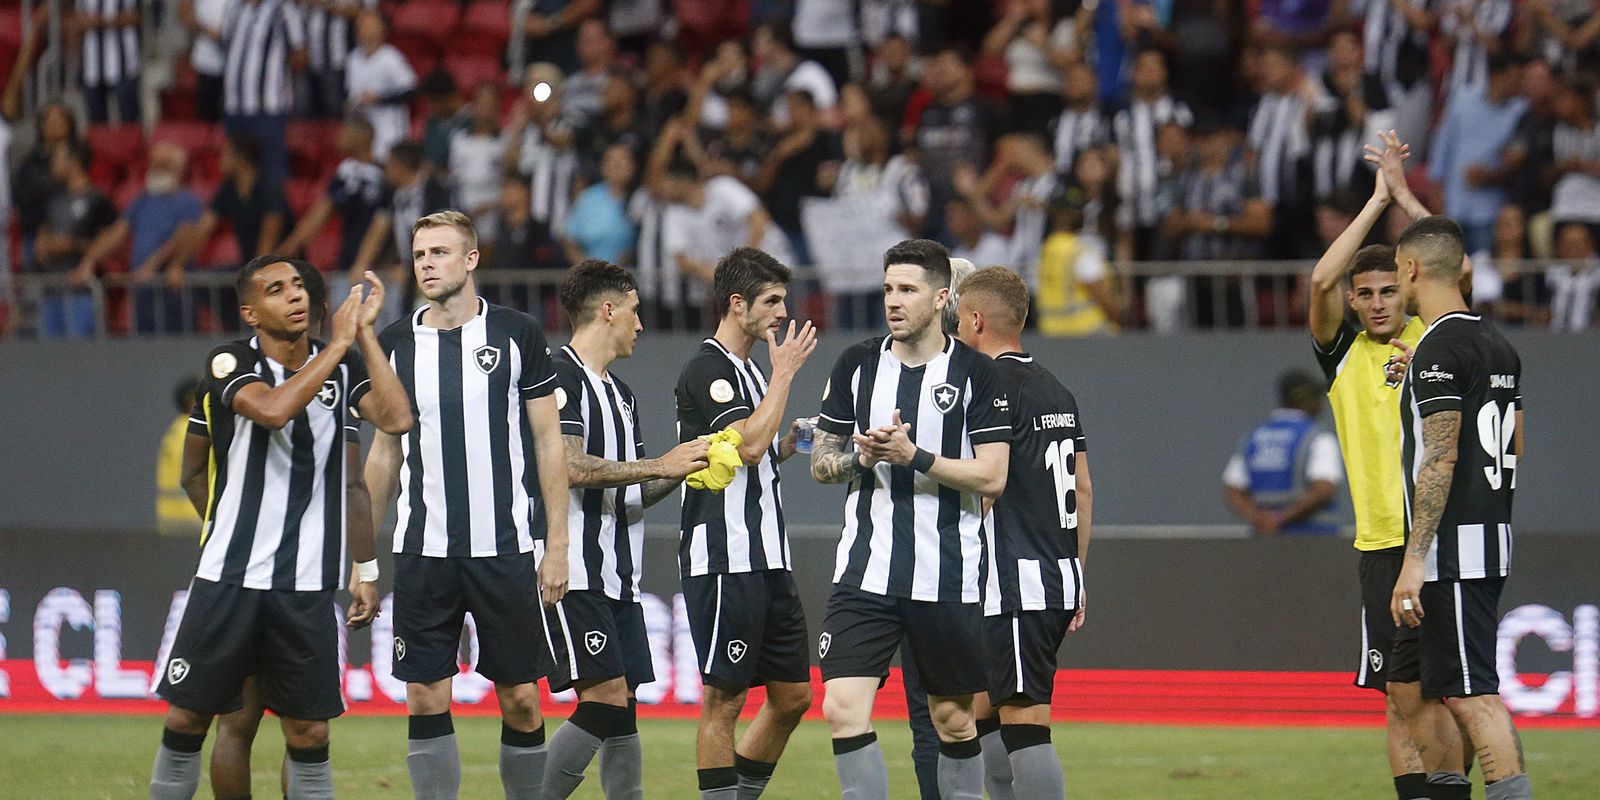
(1461, 423)
(275, 409)
(931, 427)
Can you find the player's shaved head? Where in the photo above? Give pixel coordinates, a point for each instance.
(590, 283)
(1435, 243)
(1000, 296)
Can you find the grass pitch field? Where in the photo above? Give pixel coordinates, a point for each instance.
(109, 757)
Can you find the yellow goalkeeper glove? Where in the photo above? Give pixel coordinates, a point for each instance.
(723, 458)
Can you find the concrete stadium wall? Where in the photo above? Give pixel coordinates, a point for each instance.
(82, 423)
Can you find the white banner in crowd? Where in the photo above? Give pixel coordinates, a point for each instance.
(848, 236)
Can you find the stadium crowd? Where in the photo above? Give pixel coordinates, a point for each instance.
(1064, 138)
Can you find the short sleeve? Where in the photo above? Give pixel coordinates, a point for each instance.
(538, 371)
(197, 418)
(1438, 375)
(358, 383)
(1329, 357)
(838, 412)
(1235, 476)
(989, 410)
(229, 368)
(1324, 463)
(737, 198)
(712, 385)
(569, 391)
(352, 430)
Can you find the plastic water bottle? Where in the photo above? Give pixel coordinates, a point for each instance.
(805, 434)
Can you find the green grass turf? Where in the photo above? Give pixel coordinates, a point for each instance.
(109, 757)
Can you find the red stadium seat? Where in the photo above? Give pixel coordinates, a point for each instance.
(221, 251)
(434, 19)
(488, 15)
(421, 50)
(323, 250)
(118, 151)
(191, 135)
(471, 70)
(485, 27)
(301, 193)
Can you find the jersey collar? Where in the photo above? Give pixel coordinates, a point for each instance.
(1015, 356)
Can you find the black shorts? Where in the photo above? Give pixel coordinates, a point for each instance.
(597, 638)
(861, 632)
(288, 639)
(1022, 649)
(432, 597)
(1452, 652)
(748, 629)
(1379, 569)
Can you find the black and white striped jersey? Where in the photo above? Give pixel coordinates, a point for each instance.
(111, 54)
(906, 535)
(1138, 166)
(1281, 140)
(1394, 51)
(739, 529)
(606, 525)
(259, 39)
(330, 34)
(275, 517)
(1462, 363)
(1075, 131)
(1033, 527)
(469, 484)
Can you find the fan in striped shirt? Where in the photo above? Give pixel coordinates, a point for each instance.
(1040, 540)
(272, 551)
(931, 427)
(482, 480)
(598, 629)
(743, 606)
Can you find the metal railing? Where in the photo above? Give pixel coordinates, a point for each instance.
(1158, 296)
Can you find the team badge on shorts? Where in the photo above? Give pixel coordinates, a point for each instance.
(1375, 658)
(177, 670)
(594, 642)
(736, 650)
(822, 644)
(399, 649)
(944, 397)
(328, 396)
(487, 358)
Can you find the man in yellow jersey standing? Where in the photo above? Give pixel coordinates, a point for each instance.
(1357, 357)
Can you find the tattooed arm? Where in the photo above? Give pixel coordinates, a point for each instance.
(831, 461)
(660, 475)
(1440, 434)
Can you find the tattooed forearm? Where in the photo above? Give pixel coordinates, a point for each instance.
(659, 488)
(830, 461)
(585, 471)
(1440, 433)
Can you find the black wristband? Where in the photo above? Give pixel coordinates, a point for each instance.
(922, 460)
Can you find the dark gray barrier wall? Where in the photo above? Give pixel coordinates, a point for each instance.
(82, 423)
(1153, 604)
